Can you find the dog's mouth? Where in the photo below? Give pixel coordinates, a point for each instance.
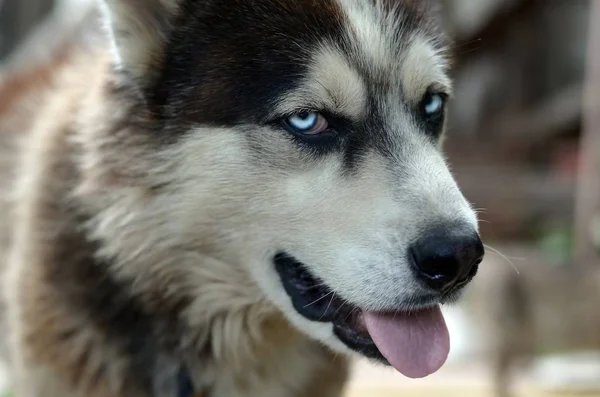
(416, 343)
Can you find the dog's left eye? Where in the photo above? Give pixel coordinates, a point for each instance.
(432, 109)
(433, 105)
(307, 123)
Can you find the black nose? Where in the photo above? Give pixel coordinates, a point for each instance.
(445, 258)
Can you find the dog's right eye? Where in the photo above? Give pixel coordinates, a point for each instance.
(307, 123)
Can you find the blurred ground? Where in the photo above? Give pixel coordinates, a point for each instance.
(452, 381)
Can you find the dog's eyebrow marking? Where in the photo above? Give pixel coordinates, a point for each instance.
(368, 30)
(423, 66)
(386, 46)
(331, 84)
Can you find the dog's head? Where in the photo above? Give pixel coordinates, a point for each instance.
(301, 140)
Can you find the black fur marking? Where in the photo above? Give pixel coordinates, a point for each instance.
(372, 135)
(228, 61)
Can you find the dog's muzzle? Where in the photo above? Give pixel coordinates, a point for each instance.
(415, 341)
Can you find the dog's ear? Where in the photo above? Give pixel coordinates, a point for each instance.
(139, 30)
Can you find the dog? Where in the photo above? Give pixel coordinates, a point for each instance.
(538, 308)
(231, 198)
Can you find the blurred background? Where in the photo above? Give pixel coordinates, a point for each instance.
(524, 143)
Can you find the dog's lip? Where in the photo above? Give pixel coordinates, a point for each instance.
(315, 301)
(360, 326)
(355, 323)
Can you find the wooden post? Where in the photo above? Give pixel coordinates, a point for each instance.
(587, 205)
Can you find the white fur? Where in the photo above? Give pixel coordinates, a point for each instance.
(423, 66)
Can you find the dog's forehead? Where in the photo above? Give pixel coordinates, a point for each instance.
(242, 55)
(379, 46)
(395, 42)
(381, 28)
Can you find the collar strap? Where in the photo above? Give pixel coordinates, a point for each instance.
(185, 385)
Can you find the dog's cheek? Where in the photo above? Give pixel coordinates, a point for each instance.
(328, 213)
(223, 187)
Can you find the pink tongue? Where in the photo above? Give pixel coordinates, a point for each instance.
(416, 344)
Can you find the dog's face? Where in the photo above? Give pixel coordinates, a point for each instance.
(305, 139)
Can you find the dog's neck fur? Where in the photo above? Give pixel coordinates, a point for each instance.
(94, 301)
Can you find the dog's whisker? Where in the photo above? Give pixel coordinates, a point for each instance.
(468, 43)
(319, 299)
(340, 308)
(316, 286)
(506, 258)
(329, 305)
(469, 50)
(351, 313)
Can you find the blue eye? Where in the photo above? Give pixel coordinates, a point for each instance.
(433, 104)
(309, 123)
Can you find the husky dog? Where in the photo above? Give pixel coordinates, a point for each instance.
(228, 197)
